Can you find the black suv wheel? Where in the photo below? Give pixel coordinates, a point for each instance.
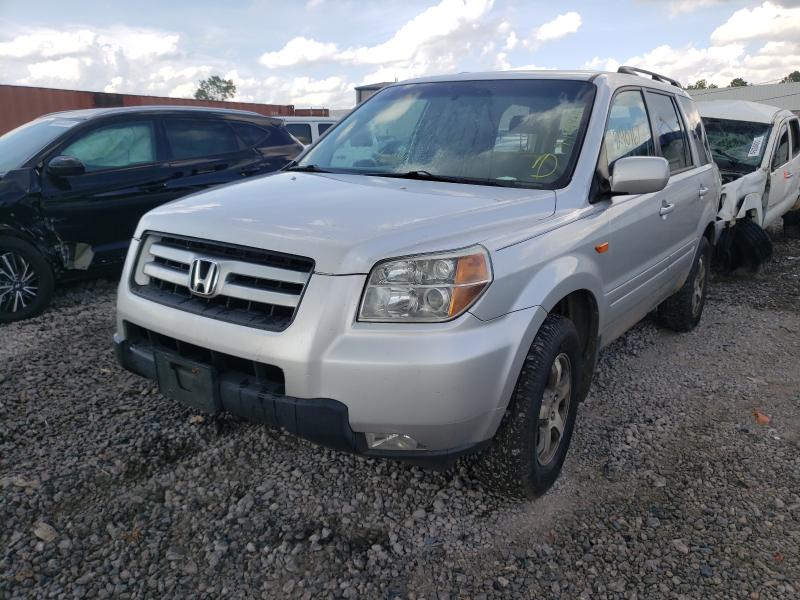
(26, 280)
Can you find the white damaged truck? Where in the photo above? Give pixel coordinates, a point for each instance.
(757, 149)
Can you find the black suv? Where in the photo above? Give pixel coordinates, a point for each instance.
(74, 184)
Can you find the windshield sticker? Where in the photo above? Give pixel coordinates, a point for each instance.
(755, 148)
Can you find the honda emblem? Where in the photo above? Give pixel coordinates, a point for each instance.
(203, 277)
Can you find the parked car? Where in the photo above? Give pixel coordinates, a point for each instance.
(757, 148)
(73, 185)
(308, 129)
(444, 298)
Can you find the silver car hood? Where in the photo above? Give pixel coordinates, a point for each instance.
(347, 223)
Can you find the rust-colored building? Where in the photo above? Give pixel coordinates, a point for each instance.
(20, 104)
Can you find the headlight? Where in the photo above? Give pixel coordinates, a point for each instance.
(430, 287)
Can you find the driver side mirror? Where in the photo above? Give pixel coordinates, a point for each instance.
(639, 175)
(65, 166)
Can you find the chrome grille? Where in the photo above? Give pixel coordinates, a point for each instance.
(257, 288)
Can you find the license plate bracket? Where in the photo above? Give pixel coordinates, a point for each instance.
(191, 383)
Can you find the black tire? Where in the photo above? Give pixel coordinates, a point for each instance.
(682, 310)
(23, 299)
(791, 225)
(512, 463)
(751, 245)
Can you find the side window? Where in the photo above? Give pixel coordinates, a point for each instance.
(669, 131)
(251, 135)
(794, 126)
(781, 156)
(115, 146)
(302, 131)
(194, 138)
(696, 130)
(323, 127)
(628, 130)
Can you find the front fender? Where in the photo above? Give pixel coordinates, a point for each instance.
(752, 201)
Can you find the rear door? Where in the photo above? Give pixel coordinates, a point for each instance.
(96, 213)
(274, 147)
(689, 184)
(204, 151)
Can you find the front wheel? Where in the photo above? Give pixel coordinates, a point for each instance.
(26, 280)
(528, 451)
(682, 310)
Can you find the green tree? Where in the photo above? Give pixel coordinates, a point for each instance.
(739, 82)
(700, 84)
(793, 77)
(215, 88)
(713, 86)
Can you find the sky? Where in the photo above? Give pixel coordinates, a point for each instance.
(314, 52)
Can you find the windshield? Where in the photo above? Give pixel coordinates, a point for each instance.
(737, 145)
(19, 144)
(510, 132)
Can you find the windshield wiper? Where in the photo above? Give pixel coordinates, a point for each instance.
(428, 176)
(306, 169)
(729, 157)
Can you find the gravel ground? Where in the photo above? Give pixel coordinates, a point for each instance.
(672, 489)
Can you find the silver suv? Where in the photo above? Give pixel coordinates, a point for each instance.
(437, 275)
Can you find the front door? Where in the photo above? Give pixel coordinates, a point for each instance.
(782, 178)
(95, 214)
(639, 239)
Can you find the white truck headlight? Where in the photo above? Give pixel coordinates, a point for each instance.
(425, 288)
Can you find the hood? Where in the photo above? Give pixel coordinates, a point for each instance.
(347, 223)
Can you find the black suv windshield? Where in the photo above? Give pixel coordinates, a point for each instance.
(516, 132)
(19, 144)
(737, 145)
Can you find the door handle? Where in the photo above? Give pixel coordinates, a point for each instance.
(703, 190)
(666, 208)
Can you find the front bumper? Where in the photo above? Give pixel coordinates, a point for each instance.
(445, 384)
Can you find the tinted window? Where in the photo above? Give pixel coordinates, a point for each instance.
(302, 131)
(463, 131)
(628, 130)
(20, 144)
(323, 127)
(252, 135)
(794, 126)
(782, 149)
(195, 138)
(668, 130)
(696, 130)
(115, 146)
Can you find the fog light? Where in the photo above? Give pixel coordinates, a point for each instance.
(392, 441)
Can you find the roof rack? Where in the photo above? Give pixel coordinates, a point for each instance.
(655, 76)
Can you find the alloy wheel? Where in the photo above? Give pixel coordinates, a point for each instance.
(554, 409)
(19, 283)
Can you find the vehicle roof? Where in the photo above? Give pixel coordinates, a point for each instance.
(612, 80)
(308, 119)
(740, 110)
(91, 113)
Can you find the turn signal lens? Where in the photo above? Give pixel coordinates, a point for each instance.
(433, 287)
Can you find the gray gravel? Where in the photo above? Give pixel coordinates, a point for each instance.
(671, 488)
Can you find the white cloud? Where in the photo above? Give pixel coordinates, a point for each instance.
(766, 21)
(63, 69)
(558, 28)
(511, 41)
(299, 51)
(678, 7)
